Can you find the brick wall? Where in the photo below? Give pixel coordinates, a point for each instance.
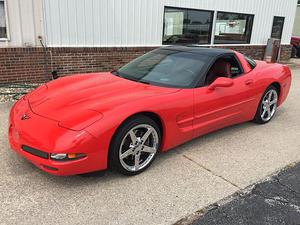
(18, 65)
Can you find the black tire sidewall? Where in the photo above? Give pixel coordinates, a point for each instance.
(113, 156)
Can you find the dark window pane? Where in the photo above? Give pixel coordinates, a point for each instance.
(2, 21)
(199, 26)
(277, 28)
(233, 28)
(3, 32)
(187, 26)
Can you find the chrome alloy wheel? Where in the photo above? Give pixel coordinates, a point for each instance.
(138, 147)
(269, 105)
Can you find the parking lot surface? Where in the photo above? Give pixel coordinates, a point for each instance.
(178, 183)
(276, 202)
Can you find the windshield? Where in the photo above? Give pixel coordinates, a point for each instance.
(165, 67)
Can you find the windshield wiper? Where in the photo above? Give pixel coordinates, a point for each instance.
(137, 80)
(144, 82)
(115, 72)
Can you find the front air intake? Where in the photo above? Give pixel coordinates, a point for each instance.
(35, 152)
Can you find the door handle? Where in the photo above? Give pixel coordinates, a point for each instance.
(248, 82)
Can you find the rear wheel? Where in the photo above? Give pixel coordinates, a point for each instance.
(135, 145)
(267, 106)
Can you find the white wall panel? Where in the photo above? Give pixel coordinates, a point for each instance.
(140, 22)
(296, 30)
(25, 23)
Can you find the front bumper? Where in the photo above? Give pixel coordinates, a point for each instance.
(46, 136)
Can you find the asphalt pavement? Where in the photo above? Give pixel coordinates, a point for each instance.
(276, 202)
(179, 183)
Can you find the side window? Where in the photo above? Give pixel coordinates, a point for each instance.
(236, 69)
(251, 61)
(225, 66)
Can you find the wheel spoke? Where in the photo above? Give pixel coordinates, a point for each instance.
(148, 149)
(270, 96)
(136, 161)
(133, 137)
(146, 135)
(126, 153)
(269, 112)
(273, 102)
(264, 112)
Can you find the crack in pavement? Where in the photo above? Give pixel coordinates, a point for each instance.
(209, 170)
(287, 186)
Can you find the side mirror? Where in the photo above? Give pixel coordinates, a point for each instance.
(221, 82)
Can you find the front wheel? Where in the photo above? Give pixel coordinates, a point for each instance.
(135, 145)
(267, 106)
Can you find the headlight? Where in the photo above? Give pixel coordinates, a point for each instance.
(66, 156)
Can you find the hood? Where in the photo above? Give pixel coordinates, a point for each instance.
(78, 101)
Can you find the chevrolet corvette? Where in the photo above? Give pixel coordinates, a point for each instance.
(124, 118)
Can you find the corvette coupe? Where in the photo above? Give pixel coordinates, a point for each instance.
(122, 119)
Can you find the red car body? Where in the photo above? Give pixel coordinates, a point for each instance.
(81, 113)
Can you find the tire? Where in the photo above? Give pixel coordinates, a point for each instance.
(267, 106)
(135, 145)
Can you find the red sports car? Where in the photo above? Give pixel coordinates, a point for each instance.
(122, 119)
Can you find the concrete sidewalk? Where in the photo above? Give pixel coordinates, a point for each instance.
(292, 63)
(179, 182)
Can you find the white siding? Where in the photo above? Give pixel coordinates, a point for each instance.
(140, 22)
(296, 31)
(24, 23)
(125, 22)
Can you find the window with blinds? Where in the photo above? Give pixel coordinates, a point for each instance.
(3, 27)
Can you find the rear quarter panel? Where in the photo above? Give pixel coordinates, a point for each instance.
(269, 73)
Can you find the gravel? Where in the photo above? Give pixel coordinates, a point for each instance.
(12, 92)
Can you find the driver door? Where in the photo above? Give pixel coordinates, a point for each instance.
(224, 106)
